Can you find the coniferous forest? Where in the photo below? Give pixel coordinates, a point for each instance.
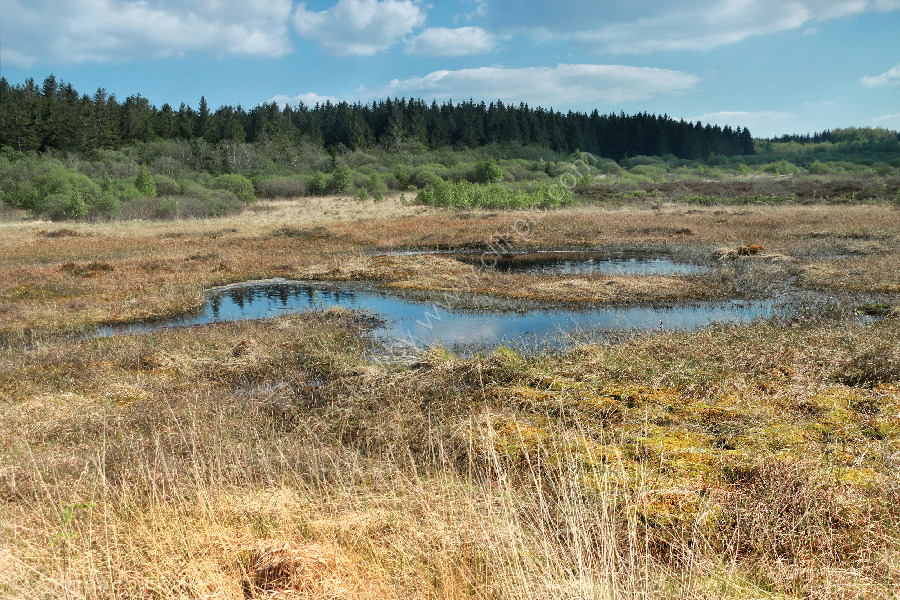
(64, 155)
(55, 116)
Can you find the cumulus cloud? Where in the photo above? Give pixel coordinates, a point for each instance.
(441, 41)
(694, 24)
(890, 78)
(564, 84)
(308, 99)
(359, 27)
(78, 31)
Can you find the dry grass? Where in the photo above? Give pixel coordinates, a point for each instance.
(272, 460)
(124, 272)
(267, 460)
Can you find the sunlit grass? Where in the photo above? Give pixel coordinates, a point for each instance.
(279, 459)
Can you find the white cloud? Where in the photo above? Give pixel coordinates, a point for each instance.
(78, 31)
(888, 121)
(564, 84)
(309, 99)
(480, 11)
(359, 27)
(440, 41)
(700, 24)
(891, 77)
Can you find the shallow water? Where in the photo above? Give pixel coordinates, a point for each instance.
(579, 263)
(417, 323)
(575, 262)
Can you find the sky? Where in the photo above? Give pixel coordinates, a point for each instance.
(773, 66)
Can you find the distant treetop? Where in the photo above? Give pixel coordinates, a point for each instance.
(55, 117)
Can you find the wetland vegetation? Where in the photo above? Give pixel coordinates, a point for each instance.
(296, 456)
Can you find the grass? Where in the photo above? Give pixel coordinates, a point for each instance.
(277, 459)
(242, 459)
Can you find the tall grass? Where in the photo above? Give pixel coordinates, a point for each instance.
(264, 460)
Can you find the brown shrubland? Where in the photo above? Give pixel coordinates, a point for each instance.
(283, 459)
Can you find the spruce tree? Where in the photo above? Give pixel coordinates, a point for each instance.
(144, 182)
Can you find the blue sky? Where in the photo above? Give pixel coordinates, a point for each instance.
(775, 66)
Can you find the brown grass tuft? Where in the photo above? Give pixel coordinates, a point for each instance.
(279, 570)
(59, 233)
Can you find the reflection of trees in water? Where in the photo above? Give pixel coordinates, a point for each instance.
(260, 298)
(582, 262)
(215, 303)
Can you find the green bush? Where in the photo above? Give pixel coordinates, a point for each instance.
(820, 168)
(342, 179)
(781, 167)
(106, 206)
(123, 191)
(166, 186)
(655, 172)
(610, 167)
(237, 184)
(428, 174)
(471, 195)
(643, 160)
(319, 184)
(488, 171)
(403, 174)
(69, 205)
(167, 208)
(212, 203)
(375, 185)
(282, 187)
(63, 194)
(144, 182)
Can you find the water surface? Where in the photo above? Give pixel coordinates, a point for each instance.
(570, 262)
(419, 323)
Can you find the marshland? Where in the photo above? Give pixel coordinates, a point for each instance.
(299, 454)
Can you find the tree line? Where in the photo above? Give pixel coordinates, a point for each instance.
(54, 116)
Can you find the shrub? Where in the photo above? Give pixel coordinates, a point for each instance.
(212, 203)
(610, 167)
(166, 186)
(237, 184)
(106, 206)
(319, 184)
(167, 208)
(281, 187)
(403, 174)
(144, 182)
(123, 191)
(375, 185)
(69, 205)
(655, 171)
(470, 195)
(643, 160)
(488, 171)
(63, 194)
(781, 167)
(342, 180)
(820, 168)
(428, 174)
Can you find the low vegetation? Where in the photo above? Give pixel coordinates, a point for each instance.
(295, 457)
(292, 458)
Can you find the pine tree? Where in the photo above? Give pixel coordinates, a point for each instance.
(144, 182)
